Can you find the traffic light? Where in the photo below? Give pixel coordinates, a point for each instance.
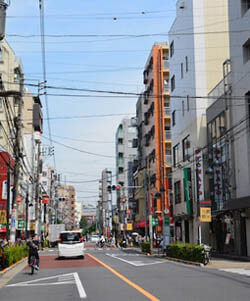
(109, 188)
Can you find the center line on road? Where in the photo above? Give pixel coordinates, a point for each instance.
(137, 287)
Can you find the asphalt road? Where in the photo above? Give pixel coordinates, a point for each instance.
(115, 275)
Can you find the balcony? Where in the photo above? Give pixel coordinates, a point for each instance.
(165, 65)
(167, 111)
(168, 135)
(168, 159)
(166, 88)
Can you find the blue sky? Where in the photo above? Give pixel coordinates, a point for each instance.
(103, 63)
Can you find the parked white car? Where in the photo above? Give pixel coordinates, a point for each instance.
(70, 244)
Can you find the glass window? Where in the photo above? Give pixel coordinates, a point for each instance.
(171, 48)
(120, 141)
(177, 192)
(132, 129)
(246, 51)
(172, 83)
(245, 6)
(70, 237)
(181, 70)
(183, 107)
(176, 149)
(186, 60)
(188, 108)
(173, 118)
(186, 148)
(130, 144)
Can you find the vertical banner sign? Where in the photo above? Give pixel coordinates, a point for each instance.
(186, 191)
(199, 174)
(4, 190)
(217, 179)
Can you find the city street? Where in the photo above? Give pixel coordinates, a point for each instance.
(113, 274)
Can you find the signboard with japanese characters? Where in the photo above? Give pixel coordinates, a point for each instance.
(205, 214)
(199, 174)
(218, 193)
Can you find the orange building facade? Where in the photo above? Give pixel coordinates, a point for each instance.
(157, 129)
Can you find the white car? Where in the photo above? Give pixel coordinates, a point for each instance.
(70, 244)
(94, 238)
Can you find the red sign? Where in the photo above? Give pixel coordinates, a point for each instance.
(45, 199)
(19, 199)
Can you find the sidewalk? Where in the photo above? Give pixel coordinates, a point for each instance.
(219, 263)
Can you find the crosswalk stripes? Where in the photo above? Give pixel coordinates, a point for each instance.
(245, 272)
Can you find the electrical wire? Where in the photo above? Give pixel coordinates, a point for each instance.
(42, 29)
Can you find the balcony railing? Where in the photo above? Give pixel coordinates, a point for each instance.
(168, 135)
(166, 88)
(167, 111)
(168, 159)
(165, 65)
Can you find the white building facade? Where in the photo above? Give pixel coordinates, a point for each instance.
(199, 45)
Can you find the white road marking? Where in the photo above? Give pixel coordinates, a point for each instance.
(71, 278)
(80, 288)
(237, 271)
(136, 263)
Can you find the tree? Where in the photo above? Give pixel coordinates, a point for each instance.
(83, 223)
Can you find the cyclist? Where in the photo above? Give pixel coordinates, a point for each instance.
(33, 245)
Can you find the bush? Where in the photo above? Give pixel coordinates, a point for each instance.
(189, 252)
(145, 247)
(14, 254)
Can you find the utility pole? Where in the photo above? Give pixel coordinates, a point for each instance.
(8, 204)
(18, 156)
(37, 195)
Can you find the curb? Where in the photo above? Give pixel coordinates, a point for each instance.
(12, 266)
(185, 261)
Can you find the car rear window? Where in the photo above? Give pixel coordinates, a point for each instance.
(71, 237)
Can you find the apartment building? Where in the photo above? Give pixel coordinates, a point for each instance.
(66, 207)
(199, 45)
(125, 141)
(154, 140)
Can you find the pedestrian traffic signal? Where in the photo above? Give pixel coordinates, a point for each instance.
(113, 187)
(109, 188)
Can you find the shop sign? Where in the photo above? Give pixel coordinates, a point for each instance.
(4, 190)
(186, 191)
(32, 226)
(45, 199)
(205, 214)
(129, 227)
(199, 174)
(121, 227)
(20, 224)
(217, 179)
(155, 222)
(3, 217)
(166, 221)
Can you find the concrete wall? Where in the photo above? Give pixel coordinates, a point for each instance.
(240, 86)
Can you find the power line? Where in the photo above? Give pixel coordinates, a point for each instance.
(42, 29)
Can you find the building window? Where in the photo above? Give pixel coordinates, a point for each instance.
(171, 48)
(16, 101)
(44, 174)
(176, 149)
(248, 106)
(120, 155)
(1, 55)
(132, 129)
(183, 108)
(186, 148)
(120, 141)
(182, 70)
(177, 192)
(246, 51)
(188, 107)
(130, 143)
(172, 83)
(186, 60)
(245, 6)
(120, 170)
(173, 118)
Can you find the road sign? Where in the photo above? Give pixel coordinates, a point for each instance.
(166, 220)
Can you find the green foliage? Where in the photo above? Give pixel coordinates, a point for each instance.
(183, 251)
(145, 247)
(14, 254)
